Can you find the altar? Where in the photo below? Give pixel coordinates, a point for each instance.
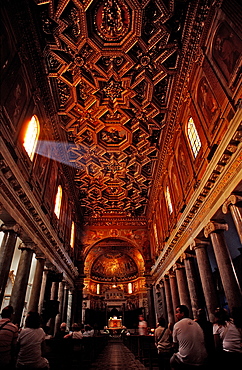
(115, 326)
(114, 323)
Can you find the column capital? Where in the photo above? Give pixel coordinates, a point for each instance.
(232, 199)
(213, 227)
(198, 243)
(161, 282)
(177, 266)
(11, 227)
(186, 255)
(172, 273)
(27, 245)
(39, 255)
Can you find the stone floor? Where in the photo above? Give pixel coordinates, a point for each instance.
(116, 356)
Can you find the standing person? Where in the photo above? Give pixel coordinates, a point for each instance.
(188, 339)
(142, 325)
(31, 344)
(163, 342)
(8, 339)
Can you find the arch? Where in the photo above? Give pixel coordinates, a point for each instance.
(112, 246)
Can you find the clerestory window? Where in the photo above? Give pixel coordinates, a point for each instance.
(58, 199)
(31, 136)
(168, 200)
(193, 137)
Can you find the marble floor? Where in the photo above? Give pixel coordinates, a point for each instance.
(116, 356)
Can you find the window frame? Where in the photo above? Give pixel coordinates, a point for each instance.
(193, 137)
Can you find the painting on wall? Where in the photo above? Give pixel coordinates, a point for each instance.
(226, 49)
(207, 101)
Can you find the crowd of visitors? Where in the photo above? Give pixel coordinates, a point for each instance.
(189, 344)
(25, 348)
(199, 343)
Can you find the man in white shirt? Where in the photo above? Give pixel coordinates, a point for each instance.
(142, 325)
(188, 339)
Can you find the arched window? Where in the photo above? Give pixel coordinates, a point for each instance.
(31, 136)
(168, 200)
(130, 289)
(156, 234)
(72, 240)
(58, 199)
(193, 137)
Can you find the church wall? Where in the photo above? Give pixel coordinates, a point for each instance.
(213, 100)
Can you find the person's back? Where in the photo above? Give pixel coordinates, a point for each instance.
(207, 328)
(89, 332)
(188, 337)
(30, 341)
(8, 338)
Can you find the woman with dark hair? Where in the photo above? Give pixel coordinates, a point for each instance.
(163, 342)
(30, 341)
(228, 337)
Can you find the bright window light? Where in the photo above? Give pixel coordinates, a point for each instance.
(72, 241)
(130, 289)
(168, 200)
(31, 136)
(58, 201)
(193, 137)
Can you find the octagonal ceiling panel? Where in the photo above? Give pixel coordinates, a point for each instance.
(111, 66)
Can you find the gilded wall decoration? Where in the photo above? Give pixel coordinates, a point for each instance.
(226, 50)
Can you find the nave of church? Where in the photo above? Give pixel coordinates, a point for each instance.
(121, 162)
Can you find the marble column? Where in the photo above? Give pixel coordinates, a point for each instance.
(174, 290)
(11, 232)
(65, 304)
(17, 298)
(225, 265)
(42, 290)
(53, 298)
(192, 282)
(170, 312)
(60, 299)
(151, 308)
(36, 287)
(231, 204)
(163, 300)
(205, 271)
(183, 286)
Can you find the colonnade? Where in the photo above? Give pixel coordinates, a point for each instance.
(49, 292)
(190, 281)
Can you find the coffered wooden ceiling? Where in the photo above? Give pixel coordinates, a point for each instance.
(114, 68)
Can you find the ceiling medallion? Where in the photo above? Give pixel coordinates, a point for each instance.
(113, 89)
(112, 20)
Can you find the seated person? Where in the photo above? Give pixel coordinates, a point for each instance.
(76, 332)
(89, 332)
(62, 331)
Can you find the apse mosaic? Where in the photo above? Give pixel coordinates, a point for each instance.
(114, 266)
